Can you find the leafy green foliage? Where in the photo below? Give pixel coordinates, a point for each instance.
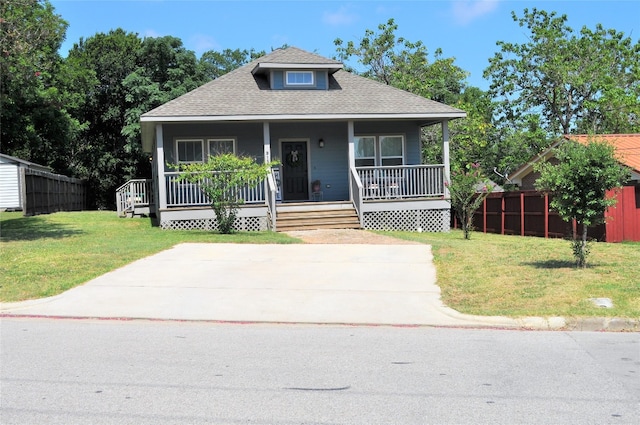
(216, 64)
(468, 188)
(221, 178)
(404, 64)
(579, 183)
(587, 80)
(35, 115)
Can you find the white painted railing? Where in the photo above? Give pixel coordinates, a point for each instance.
(134, 193)
(272, 190)
(356, 190)
(187, 194)
(402, 182)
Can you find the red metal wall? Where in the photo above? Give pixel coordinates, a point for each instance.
(623, 221)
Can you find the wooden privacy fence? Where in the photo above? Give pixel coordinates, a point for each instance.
(44, 193)
(525, 213)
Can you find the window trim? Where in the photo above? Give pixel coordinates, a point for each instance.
(294, 84)
(189, 140)
(401, 157)
(375, 150)
(220, 139)
(378, 149)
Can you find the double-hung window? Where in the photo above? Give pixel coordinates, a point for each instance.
(379, 150)
(221, 146)
(189, 150)
(365, 149)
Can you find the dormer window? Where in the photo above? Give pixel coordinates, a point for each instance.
(299, 78)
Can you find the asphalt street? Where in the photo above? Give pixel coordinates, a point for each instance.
(155, 372)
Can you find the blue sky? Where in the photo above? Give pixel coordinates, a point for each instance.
(465, 29)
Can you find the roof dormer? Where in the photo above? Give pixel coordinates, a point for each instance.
(294, 71)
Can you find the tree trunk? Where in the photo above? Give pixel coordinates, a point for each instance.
(583, 247)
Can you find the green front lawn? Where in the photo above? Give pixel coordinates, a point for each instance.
(45, 255)
(528, 276)
(487, 275)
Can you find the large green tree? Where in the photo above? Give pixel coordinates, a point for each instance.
(101, 156)
(578, 184)
(398, 62)
(572, 81)
(35, 105)
(215, 64)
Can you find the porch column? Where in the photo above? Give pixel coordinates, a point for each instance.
(162, 185)
(351, 154)
(445, 155)
(267, 142)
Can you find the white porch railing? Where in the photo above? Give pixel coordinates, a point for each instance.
(132, 194)
(187, 194)
(356, 189)
(402, 182)
(272, 190)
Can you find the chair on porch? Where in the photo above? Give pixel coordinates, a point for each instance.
(316, 191)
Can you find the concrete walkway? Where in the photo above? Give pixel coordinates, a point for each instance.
(332, 284)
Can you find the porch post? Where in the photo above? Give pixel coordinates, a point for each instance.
(445, 155)
(351, 155)
(352, 150)
(162, 186)
(267, 142)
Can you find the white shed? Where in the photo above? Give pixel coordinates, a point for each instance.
(10, 181)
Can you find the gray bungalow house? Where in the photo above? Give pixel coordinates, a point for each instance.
(347, 146)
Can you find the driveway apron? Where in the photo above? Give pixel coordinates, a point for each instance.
(298, 283)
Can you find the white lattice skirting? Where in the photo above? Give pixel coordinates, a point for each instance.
(409, 220)
(242, 224)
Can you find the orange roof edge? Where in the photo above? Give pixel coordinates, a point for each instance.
(627, 146)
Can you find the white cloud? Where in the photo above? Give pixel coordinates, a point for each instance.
(152, 33)
(465, 11)
(342, 16)
(201, 43)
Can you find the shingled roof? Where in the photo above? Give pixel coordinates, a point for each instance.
(627, 146)
(244, 94)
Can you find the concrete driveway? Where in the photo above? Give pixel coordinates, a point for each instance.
(302, 283)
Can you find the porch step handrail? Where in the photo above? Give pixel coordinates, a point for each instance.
(134, 193)
(272, 190)
(356, 191)
(187, 194)
(402, 181)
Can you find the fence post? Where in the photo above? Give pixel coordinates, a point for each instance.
(546, 216)
(502, 213)
(484, 214)
(521, 213)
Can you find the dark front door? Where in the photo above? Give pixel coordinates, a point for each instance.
(295, 180)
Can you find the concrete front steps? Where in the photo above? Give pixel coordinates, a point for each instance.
(316, 215)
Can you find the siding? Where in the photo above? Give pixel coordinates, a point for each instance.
(249, 137)
(9, 186)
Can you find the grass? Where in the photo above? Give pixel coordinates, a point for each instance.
(488, 275)
(527, 276)
(45, 255)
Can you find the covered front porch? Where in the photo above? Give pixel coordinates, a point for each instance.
(383, 198)
(372, 165)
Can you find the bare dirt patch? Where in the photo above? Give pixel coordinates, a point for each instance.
(346, 236)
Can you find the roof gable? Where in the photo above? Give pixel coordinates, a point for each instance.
(627, 151)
